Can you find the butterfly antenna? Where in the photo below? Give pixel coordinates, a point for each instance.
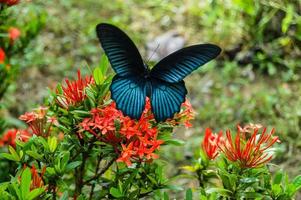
(153, 54)
(88, 66)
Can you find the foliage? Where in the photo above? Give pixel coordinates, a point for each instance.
(80, 145)
(226, 176)
(257, 79)
(15, 35)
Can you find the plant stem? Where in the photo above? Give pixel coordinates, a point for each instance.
(79, 182)
(200, 178)
(102, 171)
(53, 192)
(96, 170)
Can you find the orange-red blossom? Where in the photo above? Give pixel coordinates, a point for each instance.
(37, 179)
(249, 149)
(210, 142)
(74, 91)
(13, 33)
(2, 56)
(10, 137)
(39, 122)
(10, 2)
(133, 140)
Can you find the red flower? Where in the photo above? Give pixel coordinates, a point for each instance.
(2, 56)
(39, 122)
(24, 135)
(184, 116)
(249, 149)
(210, 143)
(37, 181)
(10, 2)
(74, 91)
(14, 33)
(133, 140)
(10, 137)
(126, 154)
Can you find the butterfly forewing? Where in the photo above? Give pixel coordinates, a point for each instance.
(176, 66)
(121, 51)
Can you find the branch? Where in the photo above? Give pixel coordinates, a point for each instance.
(79, 182)
(96, 170)
(102, 171)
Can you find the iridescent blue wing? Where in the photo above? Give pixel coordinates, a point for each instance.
(129, 94)
(121, 51)
(166, 98)
(176, 66)
(128, 86)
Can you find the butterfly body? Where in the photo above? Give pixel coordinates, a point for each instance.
(134, 80)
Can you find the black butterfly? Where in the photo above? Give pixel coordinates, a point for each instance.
(163, 84)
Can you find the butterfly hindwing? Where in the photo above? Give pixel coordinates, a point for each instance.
(129, 94)
(176, 66)
(121, 51)
(166, 98)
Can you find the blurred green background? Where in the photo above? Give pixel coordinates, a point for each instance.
(257, 78)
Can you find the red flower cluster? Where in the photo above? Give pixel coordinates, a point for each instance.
(37, 180)
(249, 147)
(2, 56)
(134, 140)
(10, 137)
(10, 2)
(13, 34)
(39, 123)
(250, 150)
(210, 143)
(183, 117)
(74, 91)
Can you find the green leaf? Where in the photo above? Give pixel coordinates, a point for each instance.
(297, 182)
(104, 64)
(25, 183)
(98, 76)
(44, 143)
(65, 196)
(287, 20)
(276, 189)
(278, 177)
(173, 187)
(34, 154)
(17, 190)
(219, 191)
(130, 180)
(73, 165)
(81, 113)
(14, 153)
(64, 160)
(152, 179)
(52, 143)
(35, 193)
(250, 195)
(166, 197)
(115, 192)
(50, 170)
(188, 194)
(249, 180)
(8, 157)
(175, 142)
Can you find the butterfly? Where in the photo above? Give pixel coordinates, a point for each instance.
(134, 80)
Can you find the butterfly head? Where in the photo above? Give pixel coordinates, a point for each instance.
(147, 71)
